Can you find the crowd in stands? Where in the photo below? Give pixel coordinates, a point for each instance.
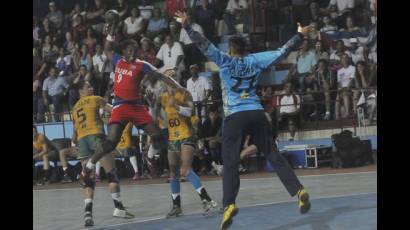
(331, 75)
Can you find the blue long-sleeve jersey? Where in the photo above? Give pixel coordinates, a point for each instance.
(239, 75)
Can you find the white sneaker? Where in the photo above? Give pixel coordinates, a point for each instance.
(122, 214)
(218, 168)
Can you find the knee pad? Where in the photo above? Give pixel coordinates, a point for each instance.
(112, 176)
(89, 183)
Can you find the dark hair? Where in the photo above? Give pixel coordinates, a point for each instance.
(324, 61)
(238, 44)
(80, 84)
(83, 66)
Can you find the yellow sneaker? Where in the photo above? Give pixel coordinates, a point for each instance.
(304, 203)
(229, 213)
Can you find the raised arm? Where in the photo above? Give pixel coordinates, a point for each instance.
(268, 58)
(203, 44)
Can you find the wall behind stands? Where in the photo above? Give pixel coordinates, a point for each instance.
(315, 137)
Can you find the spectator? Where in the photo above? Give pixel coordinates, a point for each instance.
(191, 52)
(372, 56)
(69, 43)
(46, 29)
(362, 80)
(42, 148)
(100, 62)
(54, 88)
(174, 30)
(122, 8)
(76, 57)
(38, 69)
(95, 15)
(82, 75)
(79, 29)
(345, 80)
(210, 130)
(199, 89)
(146, 52)
(146, 9)
(289, 109)
(343, 6)
(320, 51)
(339, 52)
(216, 92)
(36, 30)
(55, 16)
(236, 12)
(77, 10)
(356, 52)
(314, 11)
(49, 50)
(172, 56)
(305, 61)
(63, 62)
(315, 33)
(333, 13)
(156, 25)
(90, 40)
(328, 26)
(349, 25)
(158, 42)
(325, 82)
(205, 15)
(134, 25)
(85, 58)
(173, 6)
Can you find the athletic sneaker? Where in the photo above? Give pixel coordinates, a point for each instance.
(304, 203)
(175, 212)
(121, 213)
(229, 213)
(88, 219)
(209, 207)
(66, 179)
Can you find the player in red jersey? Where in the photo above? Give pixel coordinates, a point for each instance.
(130, 73)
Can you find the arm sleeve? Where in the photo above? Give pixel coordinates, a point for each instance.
(267, 58)
(147, 68)
(206, 47)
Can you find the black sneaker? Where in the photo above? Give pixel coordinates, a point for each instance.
(175, 212)
(88, 219)
(66, 179)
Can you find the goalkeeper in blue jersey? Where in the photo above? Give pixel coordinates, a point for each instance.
(244, 115)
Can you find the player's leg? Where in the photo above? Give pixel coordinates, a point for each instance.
(233, 131)
(64, 153)
(89, 186)
(110, 142)
(132, 153)
(174, 174)
(108, 163)
(46, 168)
(264, 142)
(187, 153)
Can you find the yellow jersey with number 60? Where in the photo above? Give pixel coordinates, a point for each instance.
(86, 116)
(179, 127)
(125, 141)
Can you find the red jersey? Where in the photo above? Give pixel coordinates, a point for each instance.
(127, 78)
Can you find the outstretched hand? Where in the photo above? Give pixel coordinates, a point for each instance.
(305, 30)
(181, 17)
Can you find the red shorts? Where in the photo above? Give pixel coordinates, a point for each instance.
(137, 114)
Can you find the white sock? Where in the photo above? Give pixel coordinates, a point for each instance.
(133, 161)
(116, 196)
(198, 190)
(151, 152)
(87, 201)
(174, 195)
(97, 168)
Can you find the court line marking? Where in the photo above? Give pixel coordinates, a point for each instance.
(246, 206)
(245, 179)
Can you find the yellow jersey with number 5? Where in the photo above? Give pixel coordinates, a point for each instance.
(179, 127)
(86, 116)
